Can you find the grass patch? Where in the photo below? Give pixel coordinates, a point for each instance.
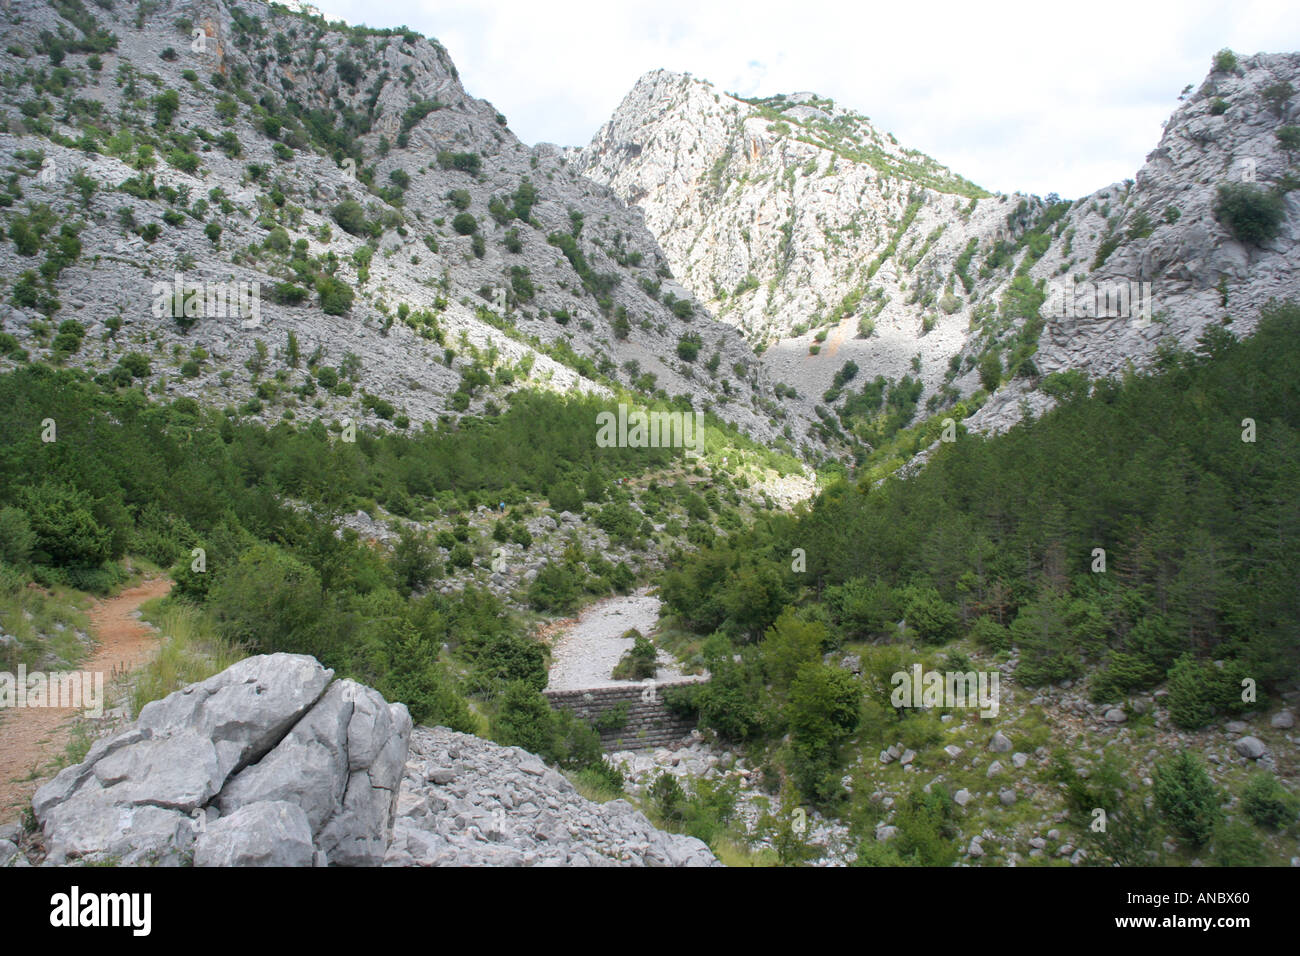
(191, 651)
(43, 620)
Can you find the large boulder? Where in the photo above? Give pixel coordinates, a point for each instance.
(220, 760)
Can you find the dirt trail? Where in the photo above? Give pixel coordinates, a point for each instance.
(32, 739)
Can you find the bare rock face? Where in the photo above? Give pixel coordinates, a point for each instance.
(211, 769)
(424, 291)
(792, 217)
(341, 764)
(269, 833)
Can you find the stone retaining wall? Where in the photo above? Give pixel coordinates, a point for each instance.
(649, 724)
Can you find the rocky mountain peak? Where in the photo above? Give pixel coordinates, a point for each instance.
(824, 241)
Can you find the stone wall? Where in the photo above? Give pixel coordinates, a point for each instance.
(649, 722)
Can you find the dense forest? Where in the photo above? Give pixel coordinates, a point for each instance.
(1144, 531)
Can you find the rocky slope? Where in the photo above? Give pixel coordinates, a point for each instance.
(1237, 127)
(225, 143)
(795, 220)
(466, 801)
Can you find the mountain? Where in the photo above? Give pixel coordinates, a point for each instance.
(824, 241)
(413, 260)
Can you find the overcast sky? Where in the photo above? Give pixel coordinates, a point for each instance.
(1012, 95)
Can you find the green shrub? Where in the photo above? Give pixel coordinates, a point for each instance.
(16, 536)
(465, 224)
(417, 679)
(824, 710)
(1186, 797)
(1225, 61)
(335, 295)
(928, 614)
(1268, 803)
(1052, 633)
(64, 527)
(1236, 844)
(525, 719)
(351, 218)
(556, 588)
(1199, 691)
(688, 347)
(990, 371)
(136, 364)
(927, 828)
(269, 601)
(1122, 674)
(1251, 213)
(470, 163)
(278, 239)
(565, 496)
(639, 661)
(990, 634)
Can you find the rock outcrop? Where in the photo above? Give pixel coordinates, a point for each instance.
(269, 762)
(272, 762)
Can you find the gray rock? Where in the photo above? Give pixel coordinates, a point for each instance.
(1000, 744)
(1250, 747)
(1283, 720)
(886, 833)
(1115, 715)
(953, 751)
(907, 757)
(1007, 797)
(309, 767)
(516, 811)
(269, 833)
(1236, 727)
(7, 852)
(265, 731)
(962, 797)
(1018, 760)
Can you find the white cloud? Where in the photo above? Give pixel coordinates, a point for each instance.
(1013, 95)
